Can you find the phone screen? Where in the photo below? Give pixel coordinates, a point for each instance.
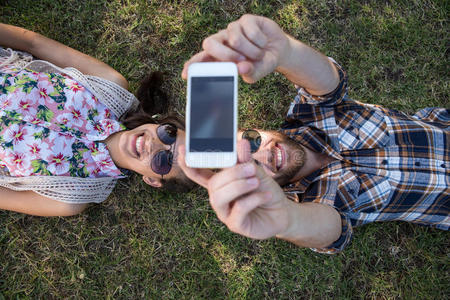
(211, 124)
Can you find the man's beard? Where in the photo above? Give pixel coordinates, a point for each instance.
(296, 159)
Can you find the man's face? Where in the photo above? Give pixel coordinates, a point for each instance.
(281, 157)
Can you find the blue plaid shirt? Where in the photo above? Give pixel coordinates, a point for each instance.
(389, 165)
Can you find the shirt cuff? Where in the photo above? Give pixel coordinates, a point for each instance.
(342, 241)
(331, 98)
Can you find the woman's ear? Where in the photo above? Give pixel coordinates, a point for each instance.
(154, 182)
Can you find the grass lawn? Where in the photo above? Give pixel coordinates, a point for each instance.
(141, 243)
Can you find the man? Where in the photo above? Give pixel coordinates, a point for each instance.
(343, 163)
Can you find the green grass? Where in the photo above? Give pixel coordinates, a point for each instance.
(141, 243)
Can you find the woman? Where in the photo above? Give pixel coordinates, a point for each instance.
(69, 128)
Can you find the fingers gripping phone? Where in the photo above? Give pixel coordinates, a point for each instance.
(211, 115)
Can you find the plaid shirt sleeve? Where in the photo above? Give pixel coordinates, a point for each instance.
(333, 98)
(346, 231)
(390, 166)
(342, 242)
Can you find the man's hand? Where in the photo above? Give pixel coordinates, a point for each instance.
(244, 197)
(256, 44)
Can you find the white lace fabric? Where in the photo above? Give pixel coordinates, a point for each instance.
(66, 188)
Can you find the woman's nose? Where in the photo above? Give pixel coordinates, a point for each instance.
(155, 145)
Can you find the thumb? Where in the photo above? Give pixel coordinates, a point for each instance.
(243, 150)
(199, 176)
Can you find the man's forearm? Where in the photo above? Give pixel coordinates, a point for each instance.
(312, 225)
(308, 68)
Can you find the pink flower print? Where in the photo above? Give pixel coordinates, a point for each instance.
(58, 164)
(16, 134)
(60, 143)
(36, 121)
(93, 148)
(64, 118)
(91, 101)
(104, 113)
(34, 149)
(75, 87)
(78, 114)
(104, 161)
(26, 107)
(98, 127)
(95, 171)
(108, 126)
(18, 164)
(76, 117)
(5, 104)
(18, 159)
(43, 93)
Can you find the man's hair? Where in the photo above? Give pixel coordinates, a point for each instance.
(154, 109)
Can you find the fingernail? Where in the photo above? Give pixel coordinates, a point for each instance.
(249, 170)
(241, 58)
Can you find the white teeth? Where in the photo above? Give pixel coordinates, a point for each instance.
(138, 145)
(279, 158)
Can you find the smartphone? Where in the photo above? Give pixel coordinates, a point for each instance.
(211, 115)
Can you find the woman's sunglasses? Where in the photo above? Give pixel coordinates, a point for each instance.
(254, 138)
(162, 161)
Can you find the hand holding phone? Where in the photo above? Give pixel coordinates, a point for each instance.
(211, 115)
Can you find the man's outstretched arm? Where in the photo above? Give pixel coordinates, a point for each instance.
(249, 202)
(258, 46)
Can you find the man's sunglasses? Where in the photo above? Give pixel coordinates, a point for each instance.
(162, 161)
(254, 138)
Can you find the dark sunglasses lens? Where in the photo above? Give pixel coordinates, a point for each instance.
(162, 162)
(167, 133)
(254, 139)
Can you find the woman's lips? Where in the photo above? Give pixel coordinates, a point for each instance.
(134, 145)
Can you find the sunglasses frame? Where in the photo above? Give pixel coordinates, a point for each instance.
(253, 140)
(170, 151)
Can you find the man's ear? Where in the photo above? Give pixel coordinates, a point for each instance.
(154, 182)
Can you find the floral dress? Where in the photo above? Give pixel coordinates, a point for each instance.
(52, 126)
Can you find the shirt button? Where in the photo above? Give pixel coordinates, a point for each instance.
(384, 162)
(417, 163)
(443, 166)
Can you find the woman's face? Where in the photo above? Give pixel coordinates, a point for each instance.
(142, 151)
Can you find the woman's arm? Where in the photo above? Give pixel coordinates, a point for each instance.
(58, 54)
(29, 202)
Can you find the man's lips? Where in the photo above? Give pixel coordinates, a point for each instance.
(279, 156)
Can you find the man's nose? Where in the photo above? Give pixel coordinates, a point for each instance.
(263, 156)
